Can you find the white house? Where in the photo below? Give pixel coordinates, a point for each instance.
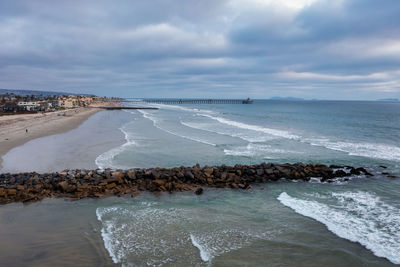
(29, 106)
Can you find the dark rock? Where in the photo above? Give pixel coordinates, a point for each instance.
(335, 167)
(340, 173)
(189, 175)
(63, 185)
(159, 182)
(118, 175)
(224, 175)
(11, 192)
(110, 186)
(269, 172)
(155, 174)
(199, 191)
(355, 171)
(131, 175)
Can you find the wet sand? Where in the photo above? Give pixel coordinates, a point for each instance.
(52, 233)
(13, 127)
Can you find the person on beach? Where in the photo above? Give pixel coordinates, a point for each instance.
(26, 130)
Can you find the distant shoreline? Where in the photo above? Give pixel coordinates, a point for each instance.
(16, 130)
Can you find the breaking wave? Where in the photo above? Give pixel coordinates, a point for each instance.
(246, 136)
(357, 216)
(369, 150)
(106, 160)
(253, 149)
(269, 131)
(155, 123)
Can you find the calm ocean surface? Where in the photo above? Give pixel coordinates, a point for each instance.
(299, 224)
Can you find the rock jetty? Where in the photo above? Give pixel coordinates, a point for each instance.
(78, 184)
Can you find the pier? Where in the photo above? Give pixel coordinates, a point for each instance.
(118, 108)
(189, 101)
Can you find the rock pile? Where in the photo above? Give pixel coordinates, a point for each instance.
(77, 184)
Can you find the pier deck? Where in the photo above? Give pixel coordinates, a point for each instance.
(118, 108)
(189, 101)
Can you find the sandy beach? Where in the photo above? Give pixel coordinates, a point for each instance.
(16, 130)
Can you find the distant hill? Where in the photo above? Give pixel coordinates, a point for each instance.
(286, 98)
(389, 99)
(36, 92)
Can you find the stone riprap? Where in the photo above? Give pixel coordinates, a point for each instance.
(78, 184)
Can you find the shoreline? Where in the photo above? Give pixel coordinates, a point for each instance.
(13, 127)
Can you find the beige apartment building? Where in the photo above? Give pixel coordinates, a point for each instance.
(68, 103)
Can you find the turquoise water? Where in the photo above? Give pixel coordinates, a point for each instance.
(277, 224)
(365, 133)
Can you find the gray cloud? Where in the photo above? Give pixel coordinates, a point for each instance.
(260, 48)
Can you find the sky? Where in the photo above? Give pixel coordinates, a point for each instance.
(323, 49)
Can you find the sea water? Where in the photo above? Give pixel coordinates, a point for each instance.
(346, 223)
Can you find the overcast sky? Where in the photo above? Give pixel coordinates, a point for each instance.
(325, 49)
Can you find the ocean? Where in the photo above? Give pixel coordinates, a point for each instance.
(346, 223)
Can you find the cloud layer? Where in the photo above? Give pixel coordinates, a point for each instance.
(345, 49)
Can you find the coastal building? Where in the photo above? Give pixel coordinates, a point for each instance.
(98, 99)
(12, 107)
(54, 104)
(68, 103)
(28, 106)
(45, 106)
(86, 100)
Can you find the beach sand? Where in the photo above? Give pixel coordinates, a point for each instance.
(13, 128)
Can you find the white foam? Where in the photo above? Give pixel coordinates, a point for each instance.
(106, 234)
(156, 124)
(105, 160)
(138, 234)
(270, 131)
(316, 180)
(204, 255)
(145, 233)
(252, 149)
(369, 150)
(246, 136)
(357, 216)
(174, 107)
